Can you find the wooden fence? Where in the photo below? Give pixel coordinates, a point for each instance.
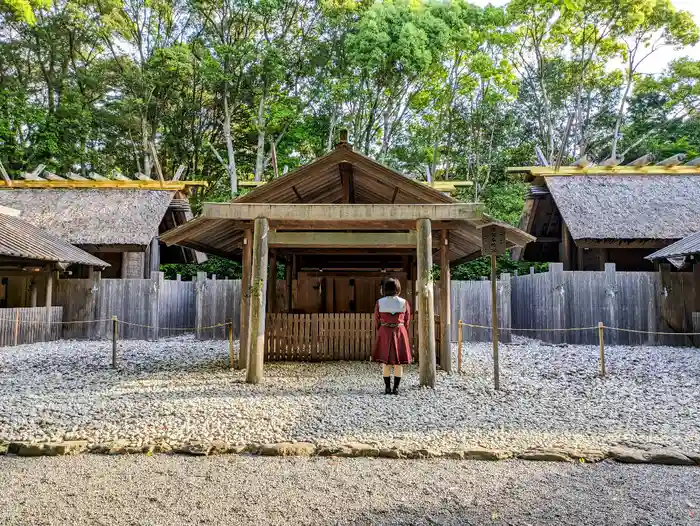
(319, 337)
(640, 302)
(30, 325)
(535, 305)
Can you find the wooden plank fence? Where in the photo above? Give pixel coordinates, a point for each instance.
(471, 303)
(321, 337)
(30, 325)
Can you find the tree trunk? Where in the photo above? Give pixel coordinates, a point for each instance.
(260, 155)
(331, 130)
(233, 178)
(145, 147)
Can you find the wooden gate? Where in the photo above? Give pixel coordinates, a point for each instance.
(325, 337)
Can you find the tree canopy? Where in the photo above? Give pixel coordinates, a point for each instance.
(435, 89)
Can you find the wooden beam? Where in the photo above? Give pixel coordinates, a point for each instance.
(393, 197)
(246, 264)
(445, 304)
(6, 178)
(346, 181)
(178, 173)
(156, 163)
(343, 212)
(342, 239)
(624, 243)
(258, 291)
(426, 309)
(296, 192)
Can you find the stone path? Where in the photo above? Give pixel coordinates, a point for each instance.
(242, 490)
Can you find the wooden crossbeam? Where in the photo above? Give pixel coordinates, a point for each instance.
(120, 177)
(342, 239)
(343, 212)
(75, 177)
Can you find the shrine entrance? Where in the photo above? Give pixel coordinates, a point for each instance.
(340, 226)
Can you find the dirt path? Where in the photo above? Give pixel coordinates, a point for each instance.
(172, 490)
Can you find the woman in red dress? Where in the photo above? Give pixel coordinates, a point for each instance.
(392, 316)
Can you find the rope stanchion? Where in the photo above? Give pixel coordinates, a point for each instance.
(602, 349)
(459, 347)
(115, 329)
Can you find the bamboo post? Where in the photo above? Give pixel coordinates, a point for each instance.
(17, 328)
(602, 348)
(256, 333)
(426, 307)
(115, 328)
(243, 338)
(231, 359)
(459, 346)
(494, 325)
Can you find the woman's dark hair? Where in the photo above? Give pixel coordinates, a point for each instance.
(392, 287)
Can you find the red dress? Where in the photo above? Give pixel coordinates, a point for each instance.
(392, 316)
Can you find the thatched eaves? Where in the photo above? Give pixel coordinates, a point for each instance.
(626, 207)
(95, 217)
(21, 240)
(688, 246)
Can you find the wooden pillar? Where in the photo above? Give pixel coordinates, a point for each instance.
(257, 302)
(272, 283)
(426, 309)
(153, 257)
(49, 288)
(288, 283)
(445, 304)
(125, 259)
(565, 246)
(245, 299)
(602, 258)
(33, 291)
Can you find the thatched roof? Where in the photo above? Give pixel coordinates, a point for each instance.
(93, 216)
(24, 241)
(663, 207)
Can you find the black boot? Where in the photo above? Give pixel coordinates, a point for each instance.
(397, 381)
(387, 385)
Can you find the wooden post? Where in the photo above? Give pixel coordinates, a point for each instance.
(199, 285)
(49, 303)
(459, 347)
(17, 328)
(272, 283)
(231, 358)
(611, 302)
(602, 349)
(565, 246)
(494, 325)
(245, 299)
(157, 278)
(33, 292)
(153, 257)
(115, 329)
(123, 269)
(288, 284)
(445, 307)
(426, 309)
(257, 302)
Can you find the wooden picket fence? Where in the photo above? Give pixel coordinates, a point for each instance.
(30, 325)
(321, 337)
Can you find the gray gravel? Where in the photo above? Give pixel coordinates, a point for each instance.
(181, 389)
(173, 490)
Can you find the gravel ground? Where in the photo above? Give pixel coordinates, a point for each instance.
(174, 490)
(180, 389)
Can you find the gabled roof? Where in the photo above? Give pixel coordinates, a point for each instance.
(93, 216)
(688, 246)
(22, 240)
(321, 181)
(662, 207)
(341, 177)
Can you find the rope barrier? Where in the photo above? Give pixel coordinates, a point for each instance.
(44, 323)
(572, 329)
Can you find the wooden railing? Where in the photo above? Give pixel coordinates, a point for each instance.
(324, 337)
